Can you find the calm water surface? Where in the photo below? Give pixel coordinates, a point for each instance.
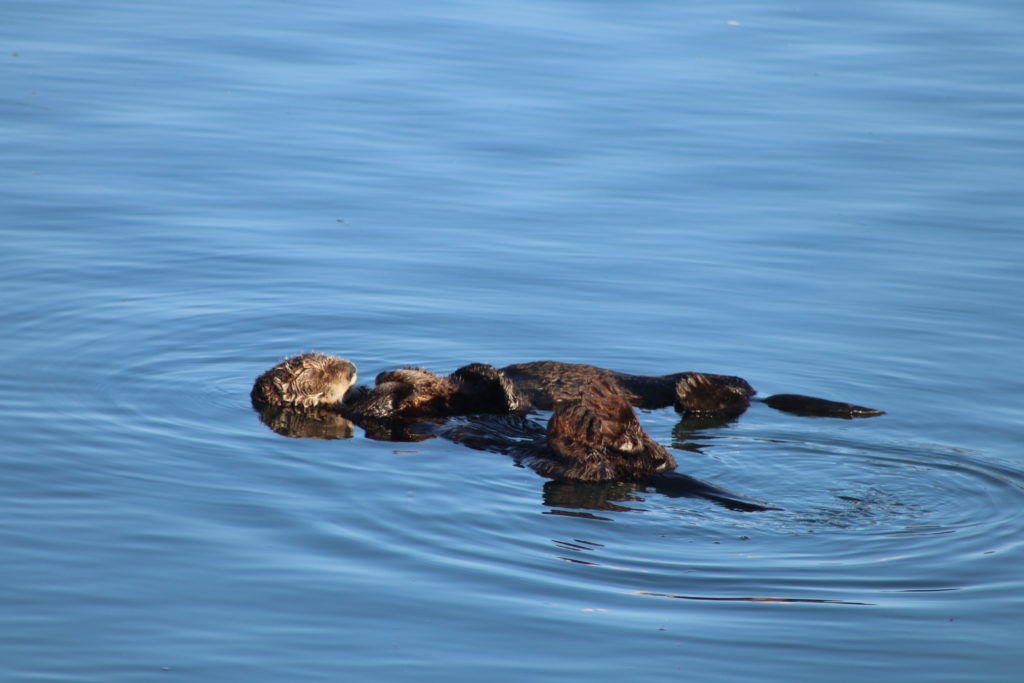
(823, 200)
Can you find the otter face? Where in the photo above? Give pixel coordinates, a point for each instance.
(305, 381)
(339, 378)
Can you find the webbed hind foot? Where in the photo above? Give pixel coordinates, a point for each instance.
(819, 407)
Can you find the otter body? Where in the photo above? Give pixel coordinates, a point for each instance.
(545, 383)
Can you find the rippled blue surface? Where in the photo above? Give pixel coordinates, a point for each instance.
(823, 200)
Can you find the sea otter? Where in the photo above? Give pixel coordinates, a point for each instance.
(316, 379)
(593, 436)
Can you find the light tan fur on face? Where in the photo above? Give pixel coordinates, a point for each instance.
(305, 381)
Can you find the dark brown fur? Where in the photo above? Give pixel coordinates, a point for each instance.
(598, 438)
(316, 380)
(595, 439)
(408, 392)
(411, 393)
(544, 383)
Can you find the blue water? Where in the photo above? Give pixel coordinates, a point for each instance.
(821, 199)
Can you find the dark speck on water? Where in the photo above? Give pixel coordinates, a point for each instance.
(823, 199)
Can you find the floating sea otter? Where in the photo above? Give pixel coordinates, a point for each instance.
(399, 398)
(316, 379)
(593, 435)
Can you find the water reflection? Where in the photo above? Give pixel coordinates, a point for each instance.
(309, 424)
(688, 433)
(576, 495)
(523, 439)
(323, 423)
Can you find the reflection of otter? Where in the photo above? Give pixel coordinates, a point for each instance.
(310, 423)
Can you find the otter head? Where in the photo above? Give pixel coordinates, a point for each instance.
(305, 381)
(598, 438)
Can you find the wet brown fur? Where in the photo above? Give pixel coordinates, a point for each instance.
(545, 383)
(598, 438)
(314, 379)
(593, 435)
(417, 393)
(407, 392)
